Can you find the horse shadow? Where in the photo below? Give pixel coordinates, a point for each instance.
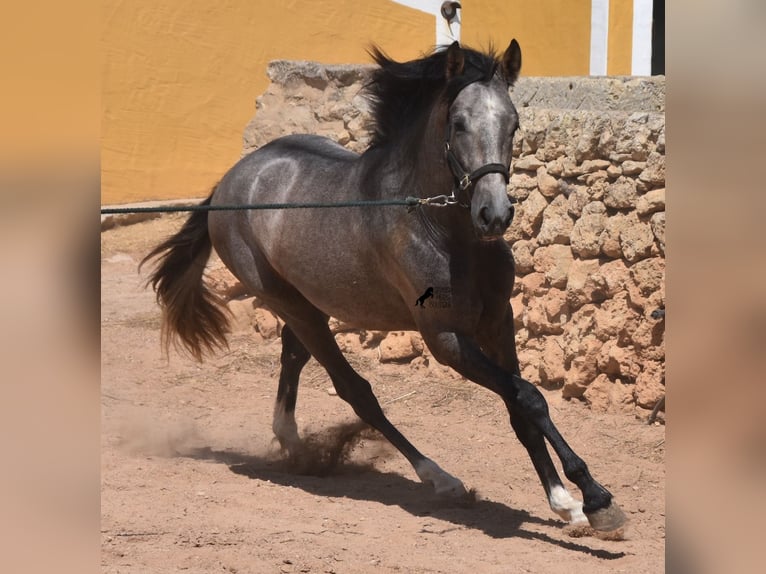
(363, 482)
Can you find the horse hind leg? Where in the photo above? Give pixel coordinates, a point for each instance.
(311, 328)
(294, 357)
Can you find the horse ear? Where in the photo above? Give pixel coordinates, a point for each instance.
(455, 61)
(512, 62)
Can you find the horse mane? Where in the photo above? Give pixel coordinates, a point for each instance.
(402, 92)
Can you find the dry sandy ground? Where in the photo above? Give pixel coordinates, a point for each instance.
(191, 480)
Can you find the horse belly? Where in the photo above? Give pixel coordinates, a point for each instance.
(355, 294)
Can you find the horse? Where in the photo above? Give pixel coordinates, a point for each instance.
(443, 123)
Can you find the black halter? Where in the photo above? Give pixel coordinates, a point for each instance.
(465, 180)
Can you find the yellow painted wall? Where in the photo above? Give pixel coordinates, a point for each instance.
(554, 34)
(180, 78)
(620, 42)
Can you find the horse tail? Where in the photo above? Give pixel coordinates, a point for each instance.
(194, 318)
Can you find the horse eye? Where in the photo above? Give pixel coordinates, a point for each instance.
(460, 127)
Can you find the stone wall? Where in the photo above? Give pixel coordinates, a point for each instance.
(589, 230)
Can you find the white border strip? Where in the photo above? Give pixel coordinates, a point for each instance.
(599, 36)
(641, 63)
(444, 33)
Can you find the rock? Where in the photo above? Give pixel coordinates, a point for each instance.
(610, 237)
(654, 172)
(594, 208)
(556, 306)
(636, 242)
(350, 343)
(621, 194)
(597, 190)
(613, 319)
(657, 223)
(632, 167)
(532, 285)
(587, 144)
(554, 167)
(616, 276)
(243, 315)
(634, 139)
(523, 181)
(578, 328)
(536, 320)
(523, 251)
(583, 368)
(266, 323)
(527, 163)
(617, 361)
(517, 305)
(569, 168)
(529, 363)
(371, 339)
(220, 280)
(651, 202)
(337, 326)
(577, 199)
(584, 283)
(547, 184)
(648, 275)
(593, 165)
(554, 262)
(596, 178)
(603, 395)
(552, 370)
(530, 213)
(397, 347)
(650, 385)
(585, 238)
(557, 225)
(614, 171)
(556, 310)
(647, 337)
(533, 133)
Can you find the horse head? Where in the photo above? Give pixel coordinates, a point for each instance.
(481, 122)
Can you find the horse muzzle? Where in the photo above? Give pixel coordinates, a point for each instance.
(491, 219)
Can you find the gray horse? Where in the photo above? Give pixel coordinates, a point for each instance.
(442, 123)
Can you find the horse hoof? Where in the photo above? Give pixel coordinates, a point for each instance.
(607, 519)
(451, 489)
(443, 482)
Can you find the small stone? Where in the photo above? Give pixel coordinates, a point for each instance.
(586, 235)
(621, 194)
(527, 163)
(651, 202)
(546, 183)
(554, 262)
(632, 167)
(636, 242)
(613, 171)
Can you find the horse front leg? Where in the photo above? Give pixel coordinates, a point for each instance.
(498, 343)
(524, 400)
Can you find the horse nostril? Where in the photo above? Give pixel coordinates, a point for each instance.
(509, 218)
(483, 215)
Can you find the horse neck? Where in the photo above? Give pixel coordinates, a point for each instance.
(432, 177)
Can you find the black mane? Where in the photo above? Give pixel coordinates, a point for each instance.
(401, 92)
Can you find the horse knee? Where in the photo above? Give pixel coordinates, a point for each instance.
(530, 401)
